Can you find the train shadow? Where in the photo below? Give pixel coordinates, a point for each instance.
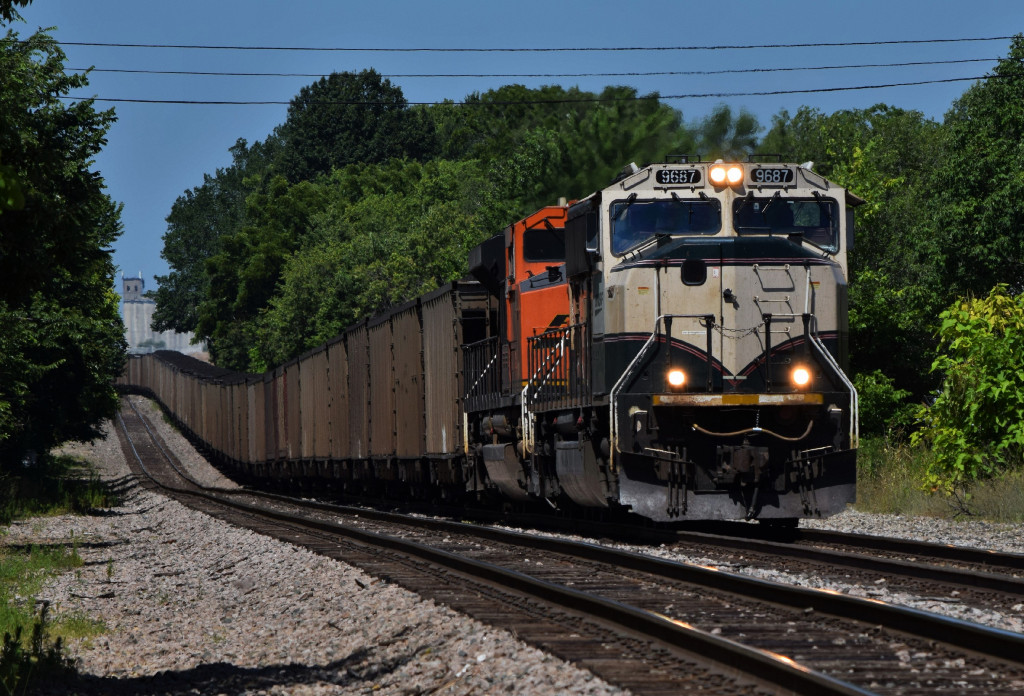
(358, 668)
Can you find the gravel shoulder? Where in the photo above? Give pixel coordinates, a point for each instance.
(193, 605)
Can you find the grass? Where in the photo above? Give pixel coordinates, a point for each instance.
(58, 485)
(33, 641)
(889, 476)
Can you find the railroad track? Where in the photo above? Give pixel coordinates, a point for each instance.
(648, 625)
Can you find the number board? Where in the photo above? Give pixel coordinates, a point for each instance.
(772, 176)
(685, 177)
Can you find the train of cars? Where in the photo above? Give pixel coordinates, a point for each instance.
(671, 345)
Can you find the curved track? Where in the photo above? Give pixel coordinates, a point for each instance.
(649, 625)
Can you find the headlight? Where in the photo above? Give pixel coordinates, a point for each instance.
(801, 376)
(726, 173)
(676, 378)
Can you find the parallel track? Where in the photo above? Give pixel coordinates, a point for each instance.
(643, 606)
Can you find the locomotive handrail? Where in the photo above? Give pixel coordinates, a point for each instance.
(524, 405)
(613, 426)
(823, 352)
(854, 398)
(483, 373)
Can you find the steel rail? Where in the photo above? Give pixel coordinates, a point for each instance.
(728, 655)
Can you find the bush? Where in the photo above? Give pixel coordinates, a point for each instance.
(975, 427)
(883, 408)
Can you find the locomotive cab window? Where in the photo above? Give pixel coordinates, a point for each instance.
(543, 244)
(816, 220)
(635, 222)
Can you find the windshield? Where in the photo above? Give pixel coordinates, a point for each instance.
(636, 221)
(817, 219)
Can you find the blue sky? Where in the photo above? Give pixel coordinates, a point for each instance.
(157, 151)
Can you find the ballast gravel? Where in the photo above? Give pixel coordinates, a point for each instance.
(193, 605)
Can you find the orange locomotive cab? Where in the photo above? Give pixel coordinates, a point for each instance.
(537, 295)
(524, 271)
(524, 268)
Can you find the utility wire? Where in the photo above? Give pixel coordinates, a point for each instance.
(707, 95)
(662, 73)
(720, 47)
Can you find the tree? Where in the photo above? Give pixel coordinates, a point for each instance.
(63, 341)
(722, 135)
(7, 11)
(351, 117)
(553, 142)
(884, 155)
(244, 273)
(198, 220)
(979, 217)
(390, 232)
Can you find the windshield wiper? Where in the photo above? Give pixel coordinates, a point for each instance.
(629, 202)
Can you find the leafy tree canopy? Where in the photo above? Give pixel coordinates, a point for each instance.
(7, 11)
(198, 220)
(882, 154)
(351, 117)
(979, 216)
(63, 343)
(390, 232)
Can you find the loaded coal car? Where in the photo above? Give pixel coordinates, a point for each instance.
(671, 346)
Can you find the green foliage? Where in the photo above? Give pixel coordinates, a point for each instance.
(63, 343)
(883, 155)
(243, 276)
(975, 426)
(558, 142)
(57, 485)
(347, 118)
(979, 216)
(25, 665)
(11, 197)
(7, 11)
(883, 407)
(389, 233)
(198, 221)
(724, 136)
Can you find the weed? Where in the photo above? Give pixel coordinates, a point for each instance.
(891, 479)
(57, 485)
(23, 665)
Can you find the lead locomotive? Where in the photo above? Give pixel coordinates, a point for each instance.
(672, 345)
(686, 360)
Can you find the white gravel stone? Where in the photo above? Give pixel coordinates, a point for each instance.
(194, 605)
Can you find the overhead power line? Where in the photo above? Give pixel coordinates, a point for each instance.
(707, 95)
(584, 49)
(658, 73)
